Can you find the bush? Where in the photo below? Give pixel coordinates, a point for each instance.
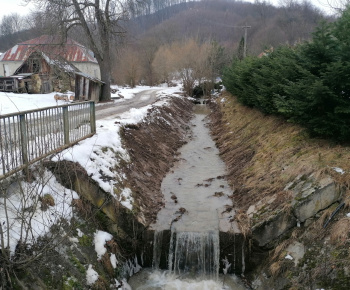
(307, 84)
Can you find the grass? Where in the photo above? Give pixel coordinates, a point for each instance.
(265, 153)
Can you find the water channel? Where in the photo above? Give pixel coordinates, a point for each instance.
(195, 193)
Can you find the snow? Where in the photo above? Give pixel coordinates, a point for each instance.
(22, 211)
(125, 286)
(126, 198)
(91, 275)
(288, 257)
(339, 170)
(12, 103)
(227, 265)
(80, 233)
(114, 261)
(100, 240)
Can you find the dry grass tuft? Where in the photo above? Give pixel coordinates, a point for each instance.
(275, 268)
(107, 265)
(340, 231)
(324, 217)
(279, 249)
(46, 201)
(83, 207)
(243, 222)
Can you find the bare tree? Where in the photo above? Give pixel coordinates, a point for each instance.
(130, 67)
(11, 24)
(99, 20)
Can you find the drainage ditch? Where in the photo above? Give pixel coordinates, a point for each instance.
(194, 239)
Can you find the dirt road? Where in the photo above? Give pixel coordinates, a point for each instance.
(141, 99)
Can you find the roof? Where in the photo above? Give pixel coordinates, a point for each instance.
(89, 77)
(52, 46)
(59, 62)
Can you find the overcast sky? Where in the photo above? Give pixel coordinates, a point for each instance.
(13, 6)
(18, 6)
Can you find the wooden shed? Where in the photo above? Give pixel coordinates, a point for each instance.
(40, 74)
(87, 88)
(46, 75)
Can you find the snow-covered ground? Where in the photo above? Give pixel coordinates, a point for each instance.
(96, 154)
(12, 102)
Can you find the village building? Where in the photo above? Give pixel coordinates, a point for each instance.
(44, 65)
(53, 46)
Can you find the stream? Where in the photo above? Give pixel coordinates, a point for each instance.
(195, 194)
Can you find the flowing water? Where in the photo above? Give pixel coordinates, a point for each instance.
(195, 192)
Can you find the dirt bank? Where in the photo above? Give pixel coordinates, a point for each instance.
(153, 148)
(292, 196)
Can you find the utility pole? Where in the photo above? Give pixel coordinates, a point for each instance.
(245, 27)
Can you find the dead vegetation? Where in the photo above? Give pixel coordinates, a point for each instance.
(265, 157)
(264, 153)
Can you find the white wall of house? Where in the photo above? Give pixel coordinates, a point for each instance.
(8, 68)
(91, 69)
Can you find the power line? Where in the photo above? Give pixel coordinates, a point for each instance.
(245, 27)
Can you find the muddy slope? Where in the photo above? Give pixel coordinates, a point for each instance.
(152, 146)
(292, 197)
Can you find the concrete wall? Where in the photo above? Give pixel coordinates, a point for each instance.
(91, 69)
(10, 67)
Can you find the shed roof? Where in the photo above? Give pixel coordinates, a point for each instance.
(52, 46)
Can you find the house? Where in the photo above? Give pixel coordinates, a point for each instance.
(43, 65)
(53, 47)
(41, 74)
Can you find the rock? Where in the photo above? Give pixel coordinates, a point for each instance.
(251, 210)
(297, 251)
(313, 196)
(270, 229)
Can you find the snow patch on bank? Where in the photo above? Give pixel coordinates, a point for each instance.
(23, 211)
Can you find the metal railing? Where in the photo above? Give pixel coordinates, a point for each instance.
(29, 136)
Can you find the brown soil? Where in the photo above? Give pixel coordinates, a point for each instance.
(153, 146)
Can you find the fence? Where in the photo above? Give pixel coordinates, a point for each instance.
(29, 136)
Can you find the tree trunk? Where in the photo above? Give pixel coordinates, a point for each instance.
(106, 78)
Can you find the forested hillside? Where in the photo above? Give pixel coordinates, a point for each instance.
(157, 40)
(204, 22)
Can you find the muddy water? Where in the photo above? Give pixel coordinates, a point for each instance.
(195, 191)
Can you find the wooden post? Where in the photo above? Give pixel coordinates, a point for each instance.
(92, 117)
(65, 124)
(245, 40)
(24, 142)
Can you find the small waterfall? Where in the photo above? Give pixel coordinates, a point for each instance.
(195, 253)
(157, 248)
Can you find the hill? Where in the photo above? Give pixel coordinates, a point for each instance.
(221, 21)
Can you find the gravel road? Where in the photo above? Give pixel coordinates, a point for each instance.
(141, 99)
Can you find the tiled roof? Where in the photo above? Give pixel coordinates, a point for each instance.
(52, 46)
